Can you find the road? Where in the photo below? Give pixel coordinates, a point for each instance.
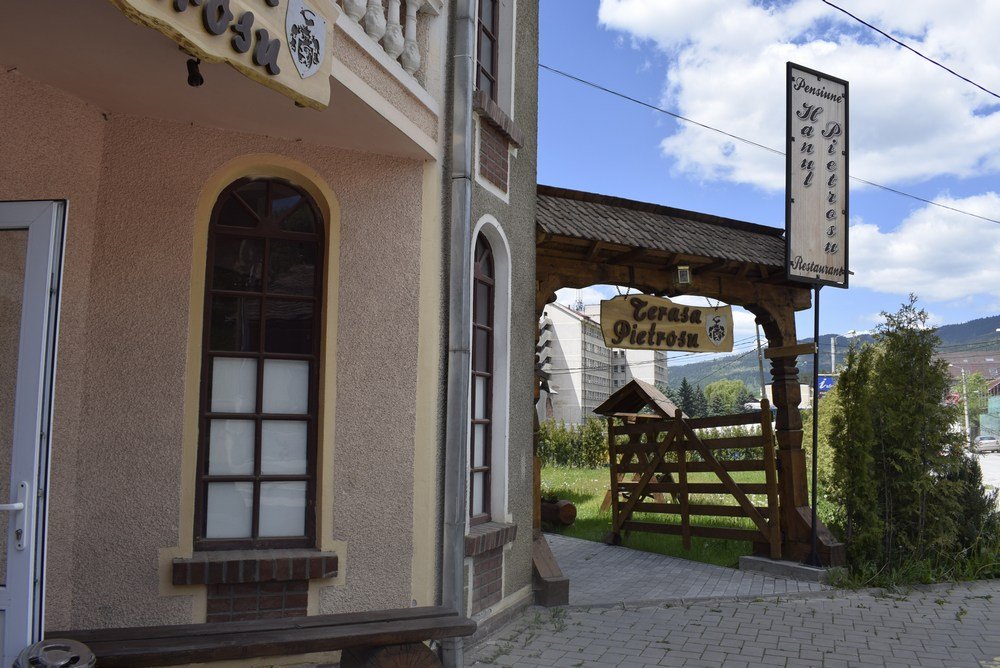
(990, 464)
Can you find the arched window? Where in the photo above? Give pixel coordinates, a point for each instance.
(480, 446)
(257, 432)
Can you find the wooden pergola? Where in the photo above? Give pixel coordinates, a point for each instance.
(584, 239)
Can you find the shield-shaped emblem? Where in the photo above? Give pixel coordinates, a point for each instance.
(305, 30)
(715, 327)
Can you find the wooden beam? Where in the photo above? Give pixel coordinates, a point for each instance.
(791, 351)
(628, 257)
(595, 248)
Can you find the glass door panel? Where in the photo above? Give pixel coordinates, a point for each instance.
(31, 236)
(13, 251)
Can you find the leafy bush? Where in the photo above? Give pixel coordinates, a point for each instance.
(583, 446)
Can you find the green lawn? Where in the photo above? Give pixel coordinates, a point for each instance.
(586, 488)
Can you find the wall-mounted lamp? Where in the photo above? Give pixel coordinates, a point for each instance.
(683, 274)
(194, 74)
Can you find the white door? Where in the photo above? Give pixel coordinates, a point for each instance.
(31, 238)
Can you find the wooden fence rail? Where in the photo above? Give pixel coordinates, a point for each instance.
(660, 453)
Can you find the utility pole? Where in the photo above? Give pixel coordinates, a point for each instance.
(965, 402)
(833, 353)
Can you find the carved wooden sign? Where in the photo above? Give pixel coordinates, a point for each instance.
(816, 160)
(283, 44)
(643, 322)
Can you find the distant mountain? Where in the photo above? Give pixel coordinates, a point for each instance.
(975, 335)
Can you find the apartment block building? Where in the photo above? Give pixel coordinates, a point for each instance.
(583, 371)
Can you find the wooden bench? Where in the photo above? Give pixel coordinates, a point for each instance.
(377, 638)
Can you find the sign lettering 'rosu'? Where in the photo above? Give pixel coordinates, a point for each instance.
(643, 322)
(282, 44)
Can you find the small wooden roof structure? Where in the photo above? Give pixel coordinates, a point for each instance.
(635, 396)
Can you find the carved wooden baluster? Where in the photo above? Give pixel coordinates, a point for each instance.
(393, 40)
(355, 9)
(375, 20)
(410, 58)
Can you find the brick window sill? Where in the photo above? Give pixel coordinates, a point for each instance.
(491, 112)
(488, 536)
(242, 566)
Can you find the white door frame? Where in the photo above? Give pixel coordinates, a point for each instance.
(22, 599)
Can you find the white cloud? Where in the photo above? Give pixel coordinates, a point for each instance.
(909, 119)
(935, 253)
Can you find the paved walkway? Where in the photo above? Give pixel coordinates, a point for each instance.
(605, 574)
(941, 625)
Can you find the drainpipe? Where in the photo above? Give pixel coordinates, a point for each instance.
(459, 322)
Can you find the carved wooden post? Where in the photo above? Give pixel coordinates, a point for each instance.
(778, 323)
(410, 58)
(375, 20)
(392, 42)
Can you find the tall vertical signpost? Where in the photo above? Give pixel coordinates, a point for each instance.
(816, 204)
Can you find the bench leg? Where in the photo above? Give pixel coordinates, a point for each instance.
(412, 655)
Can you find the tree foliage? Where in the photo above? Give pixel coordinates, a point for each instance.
(903, 486)
(579, 446)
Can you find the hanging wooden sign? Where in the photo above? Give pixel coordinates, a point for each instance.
(282, 44)
(816, 161)
(644, 322)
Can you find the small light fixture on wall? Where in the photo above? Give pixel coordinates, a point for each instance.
(194, 73)
(683, 274)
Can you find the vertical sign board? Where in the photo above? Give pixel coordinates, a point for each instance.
(282, 44)
(816, 176)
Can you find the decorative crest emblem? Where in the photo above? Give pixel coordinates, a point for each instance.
(306, 33)
(715, 327)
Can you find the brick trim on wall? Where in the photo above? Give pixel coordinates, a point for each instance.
(257, 600)
(494, 156)
(487, 579)
(488, 536)
(254, 567)
(491, 112)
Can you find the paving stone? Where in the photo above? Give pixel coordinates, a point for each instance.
(834, 629)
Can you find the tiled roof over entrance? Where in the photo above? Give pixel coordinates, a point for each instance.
(614, 220)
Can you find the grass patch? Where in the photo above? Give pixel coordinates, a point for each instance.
(586, 489)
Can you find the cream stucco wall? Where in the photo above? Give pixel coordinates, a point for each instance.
(121, 479)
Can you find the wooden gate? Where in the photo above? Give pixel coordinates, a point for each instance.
(663, 451)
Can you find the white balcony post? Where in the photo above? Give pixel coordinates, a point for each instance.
(375, 20)
(410, 58)
(393, 40)
(354, 8)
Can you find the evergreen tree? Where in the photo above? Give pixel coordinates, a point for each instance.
(717, 406)
(700, 407)
(904, 489)
(685, 398)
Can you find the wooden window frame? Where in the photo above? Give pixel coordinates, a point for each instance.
(493, 32)
(488, 278)
(267, 230)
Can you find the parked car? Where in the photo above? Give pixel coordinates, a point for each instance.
(986, 444)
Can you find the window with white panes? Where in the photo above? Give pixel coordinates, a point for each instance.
(257, 436)
(481, 440)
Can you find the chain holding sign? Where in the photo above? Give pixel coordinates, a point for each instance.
(643, 322)
(282, 44)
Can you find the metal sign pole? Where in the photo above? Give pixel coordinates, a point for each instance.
(813, 558)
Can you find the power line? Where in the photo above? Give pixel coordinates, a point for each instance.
(910, 48)
(659, 109)
(750, 142)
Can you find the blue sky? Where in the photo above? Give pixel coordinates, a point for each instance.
(914, 128)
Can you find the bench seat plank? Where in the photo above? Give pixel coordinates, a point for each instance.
(199, 643)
